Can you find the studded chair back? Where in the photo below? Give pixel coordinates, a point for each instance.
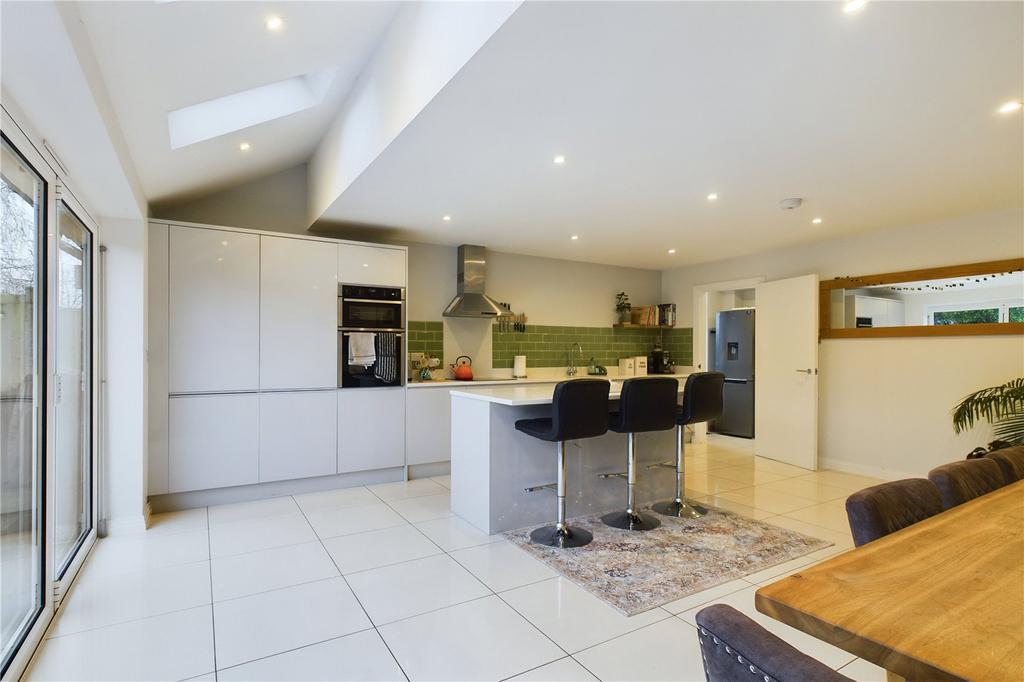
(580, 409)
(960, 482)
(702, 397)
(886, 508)
(736, 649)
(1011, 461)
(647, 405)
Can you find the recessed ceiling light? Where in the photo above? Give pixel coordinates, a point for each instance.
(1010, 107)
(274, 23)
(224, 243)
(671, 251)
(854, 6)
(446, 218)
(712, 197)
(366, 265)
(574, 237)
(559, 159)
(244, 146)
(816, 221)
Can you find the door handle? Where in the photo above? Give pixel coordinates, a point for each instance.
(806, 371)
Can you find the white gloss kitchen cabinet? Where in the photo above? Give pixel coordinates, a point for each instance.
(213, 310)
(369, 425)
(298, 435)
(214, 441)
(298, 293)
(374, 265)
(428, 425)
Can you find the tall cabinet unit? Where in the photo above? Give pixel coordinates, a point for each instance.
(244, 361)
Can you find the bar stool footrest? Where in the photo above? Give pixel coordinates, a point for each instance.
(614, 474)
(545, 486)
(668, 465)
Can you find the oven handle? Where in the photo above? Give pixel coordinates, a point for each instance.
(371, 300)
(348, 331)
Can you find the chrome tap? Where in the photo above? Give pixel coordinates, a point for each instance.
(570, 371)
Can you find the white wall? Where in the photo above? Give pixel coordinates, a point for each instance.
(124, 468)
(885, 403)
(276, 202)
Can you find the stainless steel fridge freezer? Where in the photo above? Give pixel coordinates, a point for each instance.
(734, 357)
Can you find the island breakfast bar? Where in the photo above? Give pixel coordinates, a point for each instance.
(492, 464)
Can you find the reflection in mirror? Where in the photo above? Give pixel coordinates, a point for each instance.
(973, 299)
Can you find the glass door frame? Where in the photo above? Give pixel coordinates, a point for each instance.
(51, 588)
(62, 581)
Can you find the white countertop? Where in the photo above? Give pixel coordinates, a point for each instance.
(540, 378)
(538, 393)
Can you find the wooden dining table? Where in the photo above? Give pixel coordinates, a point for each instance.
(940, 600)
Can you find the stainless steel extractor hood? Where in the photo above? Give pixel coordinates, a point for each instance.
(471, 301)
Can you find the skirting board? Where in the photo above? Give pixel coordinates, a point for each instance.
(124, 525)
(430, 469)
(865, 470)
(262, 491)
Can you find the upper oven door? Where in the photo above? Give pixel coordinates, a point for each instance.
(371, 308)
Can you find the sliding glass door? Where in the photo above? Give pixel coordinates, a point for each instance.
(23, 573)
(72, 338)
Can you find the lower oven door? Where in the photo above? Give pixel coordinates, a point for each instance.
(370, 359)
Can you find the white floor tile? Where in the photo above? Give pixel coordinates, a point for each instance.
(743, 601)
(705, 596)
(452, 533)
(831, 515)
(641, 654)
(414, 587)
(809, 488)
(269, 569)
(842, 539)
(863, 671)
(139, 552)
(775, 467)
(360, 656)
(335, 499)
(766, 500)
(425, 508)
(563, 670)
(404, 490)
(747, 474)
(173, 646)
(446, 481)
(479, 640)
(274, 622)
(100, 599)
(258, 509)
(841, 479)
(177, 521)
(733, 506)
(330, 523)
(205, 677)
(377, 548)
(255, 534)
(503, 566)
(571, 616)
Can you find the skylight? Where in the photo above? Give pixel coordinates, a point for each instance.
(216, 117)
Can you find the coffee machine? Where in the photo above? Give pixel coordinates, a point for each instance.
(658, 362)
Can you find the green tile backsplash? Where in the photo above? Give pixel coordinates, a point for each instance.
(427, 337)
(548, 346)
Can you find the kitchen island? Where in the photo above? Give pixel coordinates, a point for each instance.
(492, 464)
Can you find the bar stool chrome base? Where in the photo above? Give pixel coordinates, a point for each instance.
(680, 509)
(630, 521)
(562, 538)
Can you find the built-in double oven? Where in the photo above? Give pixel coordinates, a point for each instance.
(371, 331)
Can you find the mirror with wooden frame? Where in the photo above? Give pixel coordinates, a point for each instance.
(957, 300)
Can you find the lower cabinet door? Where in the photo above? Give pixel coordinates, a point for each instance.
(298, 435)
(213, 441)
(428, 425)
(371, 428)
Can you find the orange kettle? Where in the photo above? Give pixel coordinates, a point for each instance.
(462, 370)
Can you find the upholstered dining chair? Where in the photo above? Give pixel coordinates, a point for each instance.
(886, 508)
(1011, 461)
(736, 649)
(960, 482)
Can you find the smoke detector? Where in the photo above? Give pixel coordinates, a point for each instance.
(791, 203)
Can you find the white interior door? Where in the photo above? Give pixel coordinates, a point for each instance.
(786, 385)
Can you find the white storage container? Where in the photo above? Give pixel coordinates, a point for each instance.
(627, 367)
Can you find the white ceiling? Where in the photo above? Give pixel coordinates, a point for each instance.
(877, 119)
(160, 56)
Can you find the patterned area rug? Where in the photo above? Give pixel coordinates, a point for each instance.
(639, 571)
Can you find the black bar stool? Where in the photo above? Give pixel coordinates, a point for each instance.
(702, 402)
(645, 405)
(579, 409)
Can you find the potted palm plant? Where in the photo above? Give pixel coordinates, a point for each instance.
(623, 306)
(1002, 406)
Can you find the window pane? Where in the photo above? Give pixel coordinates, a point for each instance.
(22, 205)
(1017, 314)
(73, 456)
(967, 316)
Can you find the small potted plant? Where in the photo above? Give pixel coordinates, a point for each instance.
(623, 306)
